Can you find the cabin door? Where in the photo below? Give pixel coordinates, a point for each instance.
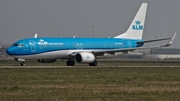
(129, 44)
(33, 45)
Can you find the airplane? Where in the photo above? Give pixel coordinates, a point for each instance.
(84, 50)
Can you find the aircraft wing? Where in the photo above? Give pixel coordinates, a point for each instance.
(172, 38)
(125, 50)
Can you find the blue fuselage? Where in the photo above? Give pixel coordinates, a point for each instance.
(35, 46)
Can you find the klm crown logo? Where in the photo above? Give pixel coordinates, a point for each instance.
(138, 26)
(87, 57)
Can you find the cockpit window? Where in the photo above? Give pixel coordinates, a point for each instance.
(14, 44)
(20, 45)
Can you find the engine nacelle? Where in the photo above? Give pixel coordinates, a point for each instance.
(85, 57)
(46, 60)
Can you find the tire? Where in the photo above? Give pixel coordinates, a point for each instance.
(93, 64)
(70, 63)
(23, 64)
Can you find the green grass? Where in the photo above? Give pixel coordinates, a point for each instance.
(90, 84)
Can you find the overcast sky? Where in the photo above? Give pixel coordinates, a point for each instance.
(23, 18)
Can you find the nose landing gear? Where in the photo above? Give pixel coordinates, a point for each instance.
(22, 63)
(21, 60)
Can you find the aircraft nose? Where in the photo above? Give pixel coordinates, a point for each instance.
(9, 51)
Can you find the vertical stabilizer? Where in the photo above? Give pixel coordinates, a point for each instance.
(35, 36)
(135, 30)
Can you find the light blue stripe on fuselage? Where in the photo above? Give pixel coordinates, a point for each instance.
(42, 45)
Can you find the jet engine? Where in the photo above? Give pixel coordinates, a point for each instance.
(46, 60)
(85, 57)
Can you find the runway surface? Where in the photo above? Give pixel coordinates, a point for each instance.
(89, 66)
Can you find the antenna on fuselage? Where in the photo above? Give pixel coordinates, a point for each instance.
(35, 36)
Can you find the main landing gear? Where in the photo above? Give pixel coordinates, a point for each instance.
(70, 63)
(93, 64)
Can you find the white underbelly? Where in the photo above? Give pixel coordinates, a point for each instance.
(47, 55)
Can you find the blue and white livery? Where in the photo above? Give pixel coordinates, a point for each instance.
(83, 50)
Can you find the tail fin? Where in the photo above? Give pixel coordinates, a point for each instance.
(136, 28)
(35, 36)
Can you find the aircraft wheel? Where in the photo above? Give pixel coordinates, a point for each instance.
(90, 64)
(93, 64)
(23, 64)
(70, 63)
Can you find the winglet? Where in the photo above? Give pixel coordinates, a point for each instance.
(171, 41)
(35, 36)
